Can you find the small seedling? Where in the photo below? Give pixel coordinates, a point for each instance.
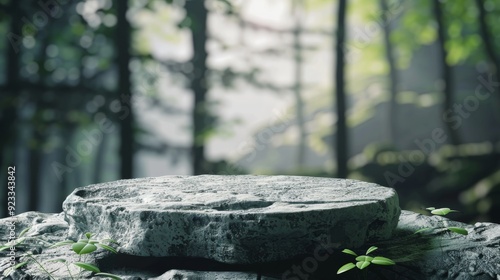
(83, 246)
(444, 212)
(364, 261)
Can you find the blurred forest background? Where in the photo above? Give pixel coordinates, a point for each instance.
(401, 93)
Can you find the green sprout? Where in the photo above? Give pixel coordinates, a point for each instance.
(364, 261)
(83, 246)
(444, 212)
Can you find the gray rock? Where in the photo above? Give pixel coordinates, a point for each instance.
(232, 219)
(440, 254)
(434, 254)
(175, 274)
(44, 230)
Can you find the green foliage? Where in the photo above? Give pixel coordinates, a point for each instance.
(418, 28)
(109, 275)
(364, 261)
(346, 267)
(382, 261)
(458, 230)
(440, 211)
(87, 266)
(443, 212)
(84, 246)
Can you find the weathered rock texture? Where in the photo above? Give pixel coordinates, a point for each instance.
(233, 219)
(440, 254)
(435, 254)
(432, 255)
(208, 275)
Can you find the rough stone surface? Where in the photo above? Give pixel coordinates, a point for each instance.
(232, 219)
(175, 274)
(435, 254)
(440, 254)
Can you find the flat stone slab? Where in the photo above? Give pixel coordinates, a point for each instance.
(434, 255)
(233, 219)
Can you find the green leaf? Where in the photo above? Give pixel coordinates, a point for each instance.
(62, 243)
(24, 231)
(88, 235)
(112, 276)
(2, 248)
(430, 208)
(442, 211)
(364, 259)
(82, 248)
(383, 261)
(109, 248)
(363, 264)
(371, 249)
(16, 242)
(61, 260)
(11, 269)
(87, 266)
(458, 230)
(20, 265)
(346, 267)
(350, 252)
(422, 229)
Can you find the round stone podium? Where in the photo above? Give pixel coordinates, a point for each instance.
(234, 219)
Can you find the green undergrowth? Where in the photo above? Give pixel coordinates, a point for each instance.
(84, 246)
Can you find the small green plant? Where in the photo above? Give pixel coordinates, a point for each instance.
(444, 212)
(83, 246)
(364, 261)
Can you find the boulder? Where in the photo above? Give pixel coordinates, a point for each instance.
(441, 254)
(232, 219)
(433, 254)
(208, 275)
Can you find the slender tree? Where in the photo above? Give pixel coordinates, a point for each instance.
(446, 69)
(35, 158)
(486, 37)
(299, 103)
(389, 54)
(99, 159)
(341, 139)
(8, 116)
(123, 32)
(196, 13)
(39, 126)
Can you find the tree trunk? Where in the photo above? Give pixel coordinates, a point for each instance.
(197, 14)
(123, 32)
(99, 159)
(299, 103)
(35, 157)
(446, 70)
(67, 133)
(489, 45)
(341, 135)
(8, 114)
(389, 54)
